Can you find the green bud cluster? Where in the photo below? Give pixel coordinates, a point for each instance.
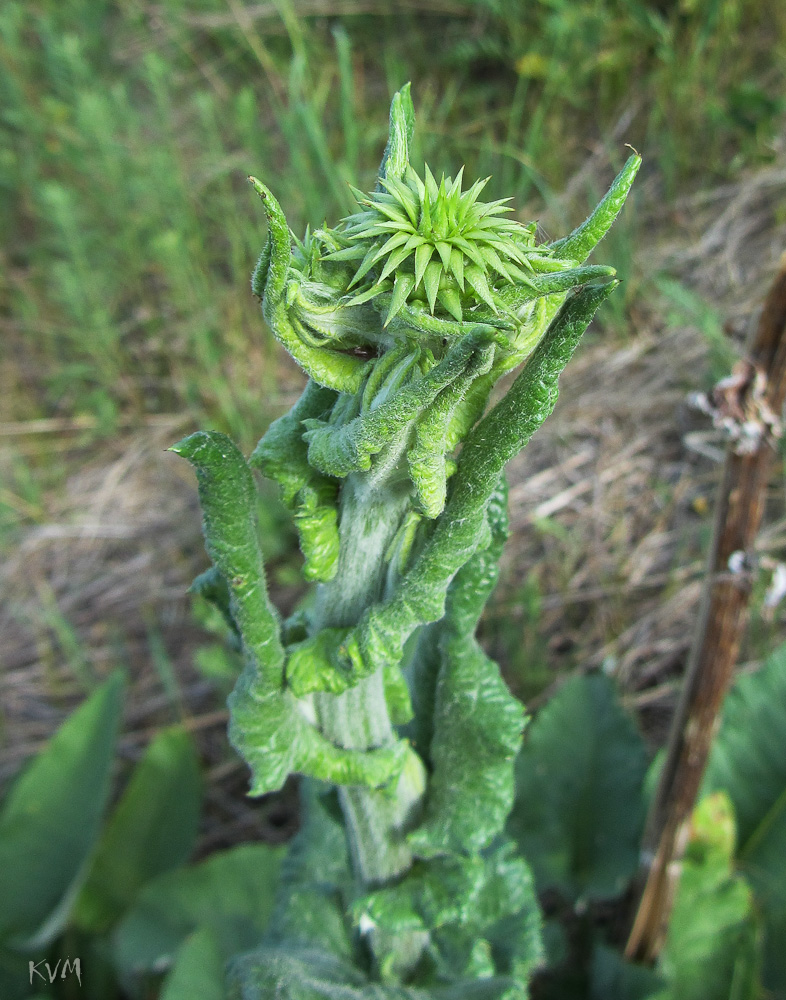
(434, 244)
(403, 317)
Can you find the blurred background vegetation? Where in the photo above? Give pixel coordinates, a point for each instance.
(128, 129)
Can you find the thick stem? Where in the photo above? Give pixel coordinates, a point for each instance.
(371, 514)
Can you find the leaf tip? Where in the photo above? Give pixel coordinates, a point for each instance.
(188, 446)
(259, 187)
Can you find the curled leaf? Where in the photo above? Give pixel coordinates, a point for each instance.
(228, 498)
(337, 451)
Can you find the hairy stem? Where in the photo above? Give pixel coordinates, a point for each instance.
(370, 515)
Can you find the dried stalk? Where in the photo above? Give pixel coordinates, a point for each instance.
(748, 405)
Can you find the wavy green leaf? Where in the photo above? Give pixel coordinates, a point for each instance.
(316, 519)
(503, 432)
(337, 451)
(382, 632)
(458, 902)
(309, 974)
(333, 369)
(272, 733)
(268, 726)
(472, 892)
(427, 455)
(478, 725)
(282, 455)
(228, 498)
(379, 638)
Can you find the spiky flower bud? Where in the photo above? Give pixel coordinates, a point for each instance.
(420, 262)
(434, 243)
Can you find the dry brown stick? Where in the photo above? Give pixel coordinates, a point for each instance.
(747, 403)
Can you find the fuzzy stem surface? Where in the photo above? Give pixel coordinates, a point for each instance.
(370, 516)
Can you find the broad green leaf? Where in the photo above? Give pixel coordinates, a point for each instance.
(50, 820)
(198, 970)
(231, 894)
(96, 966)
(579, 806)
(748, 761)
(152, 829)
(612, 978)
(713, 948)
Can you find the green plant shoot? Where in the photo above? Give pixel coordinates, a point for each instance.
(404, 316)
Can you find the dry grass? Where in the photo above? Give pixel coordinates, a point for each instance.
(610, 510)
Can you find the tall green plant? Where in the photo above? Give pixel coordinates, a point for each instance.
(404, 316)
